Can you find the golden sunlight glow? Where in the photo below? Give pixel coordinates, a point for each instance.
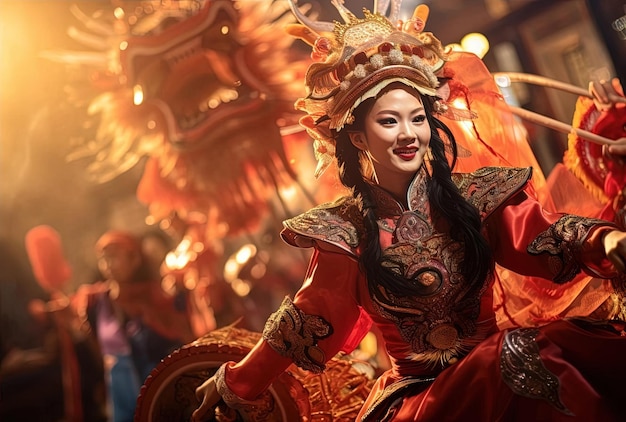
(137, 94)
(476, 43)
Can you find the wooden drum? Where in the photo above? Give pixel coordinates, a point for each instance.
(168, 394)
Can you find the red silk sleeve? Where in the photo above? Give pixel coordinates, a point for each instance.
(513, 227)
(329, 291)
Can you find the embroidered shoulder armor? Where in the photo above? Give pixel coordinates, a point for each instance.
(489, 187)
(337, 223)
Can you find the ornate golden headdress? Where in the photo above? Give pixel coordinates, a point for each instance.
(355, 60)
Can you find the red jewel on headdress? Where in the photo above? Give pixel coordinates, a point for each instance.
(360, 58)
(418, 51)
(322, 45)
(317, 57)
(341, 71)
(412, 26)
(405, 48)
(418, 24)
(320, 49)
(385, 47)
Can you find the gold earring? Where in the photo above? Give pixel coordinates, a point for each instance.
(371, 161)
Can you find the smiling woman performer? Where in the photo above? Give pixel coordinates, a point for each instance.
(412, 250)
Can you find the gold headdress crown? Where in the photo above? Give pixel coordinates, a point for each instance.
(355, 60)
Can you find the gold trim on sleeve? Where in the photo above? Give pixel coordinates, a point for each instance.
(294, 334)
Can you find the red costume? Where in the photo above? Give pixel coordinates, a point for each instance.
(456, 352)
(447, 340)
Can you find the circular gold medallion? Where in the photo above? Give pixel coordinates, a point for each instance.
(443, 337)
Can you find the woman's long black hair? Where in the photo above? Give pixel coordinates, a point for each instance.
(445, 201)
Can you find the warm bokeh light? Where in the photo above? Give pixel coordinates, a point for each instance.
(231, 270)
(369, 345)
(289, 193)
(241, 287)
(181, 256)
(459, 104)
(190, 280)
(466, 125)
(168, 284)
(119, 13)
(476, 43)
(137, 94)
(454, 47)
(258, 270)
(245, 253)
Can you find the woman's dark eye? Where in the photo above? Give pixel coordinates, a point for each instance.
(388, 121)
(419, 119)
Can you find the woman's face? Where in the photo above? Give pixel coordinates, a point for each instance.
(396, 136)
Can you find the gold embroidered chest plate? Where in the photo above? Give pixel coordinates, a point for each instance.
(436, 321)
(439, 323)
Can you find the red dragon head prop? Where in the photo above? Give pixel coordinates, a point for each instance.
(586, 159)
(202, 89)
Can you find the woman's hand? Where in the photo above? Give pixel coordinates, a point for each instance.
(615, 249)
(208, 395)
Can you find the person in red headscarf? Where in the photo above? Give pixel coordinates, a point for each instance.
(135, 321)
